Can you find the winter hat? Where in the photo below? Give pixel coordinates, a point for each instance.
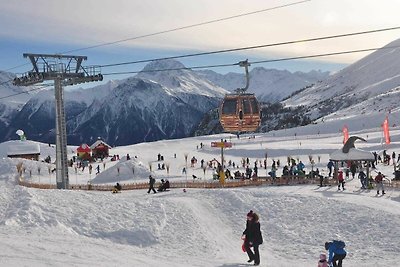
(322, 257)
(250, 214)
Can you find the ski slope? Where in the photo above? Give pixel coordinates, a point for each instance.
(199, 227)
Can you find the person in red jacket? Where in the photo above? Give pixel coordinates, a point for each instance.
(379, 183)
(340, 180)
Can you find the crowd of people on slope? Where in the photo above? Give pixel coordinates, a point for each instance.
(353, 167)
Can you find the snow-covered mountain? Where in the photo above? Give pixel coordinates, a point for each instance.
(37, 115)
(152, 106)
(12, 99)
(269, 85)
(181, 80)
(169, 104)
(141, 110)
(20, 94)
(369, 87)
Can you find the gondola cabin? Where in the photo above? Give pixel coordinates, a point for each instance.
(240, 113)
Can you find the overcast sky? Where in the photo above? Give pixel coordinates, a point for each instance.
(53, 26)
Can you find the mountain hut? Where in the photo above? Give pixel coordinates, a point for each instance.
(100, 149)
(23, 149)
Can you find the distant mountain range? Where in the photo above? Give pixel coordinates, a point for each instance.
(150, 106)
(269, 85)
(179, 103)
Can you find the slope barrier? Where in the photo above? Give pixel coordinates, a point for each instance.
(231, 183)
(260, 181)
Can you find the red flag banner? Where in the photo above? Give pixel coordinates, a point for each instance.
(345, 134)
(386, 130)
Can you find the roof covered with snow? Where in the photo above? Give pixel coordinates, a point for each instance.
(83, 148)
(98, 142)
(18, 147)
(353, 154)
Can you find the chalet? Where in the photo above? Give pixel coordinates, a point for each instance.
(23, 149)
(83, 151)
(100, 149)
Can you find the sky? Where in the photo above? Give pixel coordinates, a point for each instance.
(48, 27)
(199, 227)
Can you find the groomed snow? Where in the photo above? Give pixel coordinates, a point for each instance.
(200, 227)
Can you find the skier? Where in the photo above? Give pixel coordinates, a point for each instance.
(353, 169)
(336, 252)
(379, 183)
(151, 184)
(340, 180)
(363, 179)
(252, 237)
(330, 166)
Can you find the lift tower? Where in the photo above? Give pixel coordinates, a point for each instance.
(63, 70)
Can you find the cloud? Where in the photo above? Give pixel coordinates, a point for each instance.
(87, 23)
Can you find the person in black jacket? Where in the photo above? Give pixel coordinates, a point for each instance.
(117, 188)
(151, 184)
(252, 237)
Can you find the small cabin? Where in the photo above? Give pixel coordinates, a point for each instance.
(100, 149)
(23, 149)
(83, 151)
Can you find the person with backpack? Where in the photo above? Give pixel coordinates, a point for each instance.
(363, 179)
(252, 237)
(151, 184)
(336, 252)
(379, 183)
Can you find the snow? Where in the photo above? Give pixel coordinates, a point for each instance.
(18, 147)
(178, 80)
(201, 227)
(353, 154)
(369, 85)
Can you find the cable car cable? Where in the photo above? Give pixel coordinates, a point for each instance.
(188, 26)
(256, 62)
(25, 92)
(235, 64)
(174, 29)
(253, 47)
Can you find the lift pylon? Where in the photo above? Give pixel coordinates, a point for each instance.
(63, 70)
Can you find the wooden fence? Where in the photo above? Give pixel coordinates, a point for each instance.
(260, 181)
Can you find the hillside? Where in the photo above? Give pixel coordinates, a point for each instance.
(367, 87)
(201, 227)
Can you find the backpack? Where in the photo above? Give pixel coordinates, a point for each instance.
(339, 243)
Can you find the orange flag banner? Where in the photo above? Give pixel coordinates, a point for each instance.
(345, 134)
(386, 134)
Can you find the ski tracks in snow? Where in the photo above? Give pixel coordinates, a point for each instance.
(210, 220)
